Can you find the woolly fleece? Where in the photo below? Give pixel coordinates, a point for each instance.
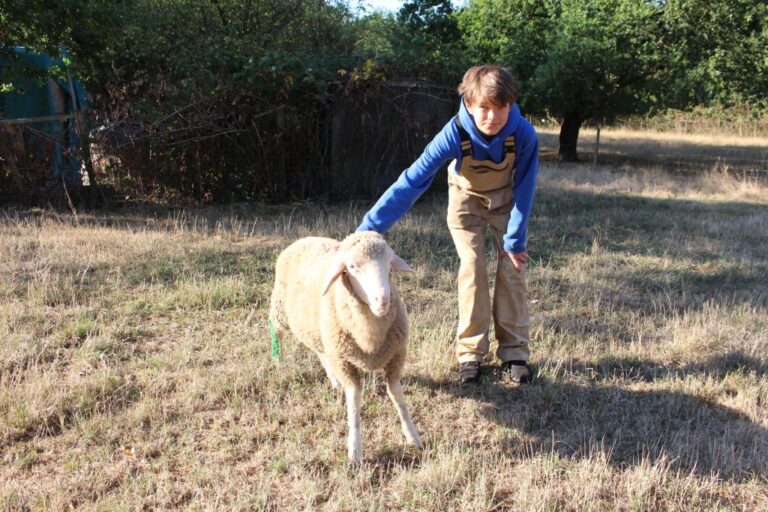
(338, 325)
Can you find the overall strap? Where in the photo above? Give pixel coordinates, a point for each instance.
(466, 143)
(509, 144)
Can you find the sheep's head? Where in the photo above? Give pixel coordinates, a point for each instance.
(366, 259)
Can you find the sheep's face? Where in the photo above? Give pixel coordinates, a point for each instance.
(370, 280)
(368, 267)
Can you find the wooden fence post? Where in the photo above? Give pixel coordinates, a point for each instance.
(597, 146)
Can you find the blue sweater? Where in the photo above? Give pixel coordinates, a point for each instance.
(446, 145)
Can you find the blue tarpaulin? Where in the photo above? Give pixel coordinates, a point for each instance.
(47, 97)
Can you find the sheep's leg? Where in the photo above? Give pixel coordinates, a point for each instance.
(354, 444)
(395, 392)
(335, 384)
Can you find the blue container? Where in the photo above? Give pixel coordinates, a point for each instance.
(46, 97)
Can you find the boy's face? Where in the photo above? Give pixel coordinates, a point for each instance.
(489, 118)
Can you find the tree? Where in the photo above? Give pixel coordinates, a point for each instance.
(577, 59)
(719, 50)
(421, 41)
(429, 38)
(53, 28)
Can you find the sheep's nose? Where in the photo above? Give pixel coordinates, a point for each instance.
(380, 305)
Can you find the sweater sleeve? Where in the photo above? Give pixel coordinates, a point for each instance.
(413, 182)
(527, 169)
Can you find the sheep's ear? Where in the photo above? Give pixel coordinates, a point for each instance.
(399, 263)
(333, 273)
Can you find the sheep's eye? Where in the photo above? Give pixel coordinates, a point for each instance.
(351, 267)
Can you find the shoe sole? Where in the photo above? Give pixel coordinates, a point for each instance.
(470, 380)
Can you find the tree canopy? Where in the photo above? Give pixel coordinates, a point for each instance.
(719, 51)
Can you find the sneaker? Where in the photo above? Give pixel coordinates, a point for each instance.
(518, 371)
(469, 372)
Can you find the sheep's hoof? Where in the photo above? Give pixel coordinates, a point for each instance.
(416, 442)
(355, 459)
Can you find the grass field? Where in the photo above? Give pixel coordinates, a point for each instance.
(686, 153)
(136, 372)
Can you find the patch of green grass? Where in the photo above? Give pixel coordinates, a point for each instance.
(75, 332)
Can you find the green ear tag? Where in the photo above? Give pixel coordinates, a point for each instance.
(275, 341)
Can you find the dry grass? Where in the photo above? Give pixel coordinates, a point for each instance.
(672, 151)
(656, 137)
(136, 371)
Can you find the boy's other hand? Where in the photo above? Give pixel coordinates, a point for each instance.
(518, 259)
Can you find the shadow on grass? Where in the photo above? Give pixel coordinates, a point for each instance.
(635, 369)
(580, 419)
(384, 464)
(636, 253)
(569, 221)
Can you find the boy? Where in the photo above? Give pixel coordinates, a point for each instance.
(491, 182)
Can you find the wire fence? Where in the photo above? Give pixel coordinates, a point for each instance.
(675, 152)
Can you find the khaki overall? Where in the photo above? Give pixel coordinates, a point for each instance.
(481, 194)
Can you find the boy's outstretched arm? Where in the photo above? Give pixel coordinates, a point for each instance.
(413, 182)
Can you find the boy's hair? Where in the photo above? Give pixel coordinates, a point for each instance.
(493, 83)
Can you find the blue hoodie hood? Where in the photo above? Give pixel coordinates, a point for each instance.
(482, 147)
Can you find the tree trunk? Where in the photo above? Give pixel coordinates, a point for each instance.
(569, 137)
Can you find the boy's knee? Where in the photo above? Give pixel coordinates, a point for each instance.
(472, 260)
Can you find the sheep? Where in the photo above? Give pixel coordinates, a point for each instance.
(336, 298)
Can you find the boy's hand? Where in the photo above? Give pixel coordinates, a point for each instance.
(518, 259)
